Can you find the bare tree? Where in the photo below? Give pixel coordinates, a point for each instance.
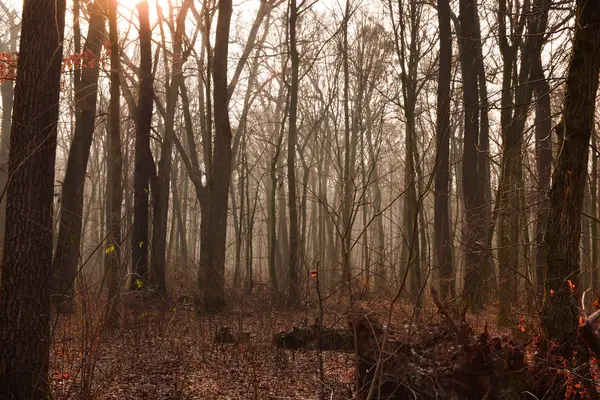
(68, 244)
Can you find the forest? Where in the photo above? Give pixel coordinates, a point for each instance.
(299, 199)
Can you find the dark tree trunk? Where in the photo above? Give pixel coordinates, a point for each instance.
(71, 207)
(161, 186)
(214, 215)
(144, 163)
(115, 167)
(27, 268)
(560, 312)
(513, 116)
(543, 142)
(291, 153)
(473, 194)
(442, 173)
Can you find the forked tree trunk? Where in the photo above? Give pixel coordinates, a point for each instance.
(71, 206)
(214, 214)
(161, 186)
(513, 114)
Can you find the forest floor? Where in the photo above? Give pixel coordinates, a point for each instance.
(169, 352)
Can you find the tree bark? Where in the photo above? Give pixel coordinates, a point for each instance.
(543, 142)
(27, 266)
(442, 173)
(560, 312)
(161, 181)
(144, 166)
(294, 290)
(115, 172)
(214, 218)
(473, 230)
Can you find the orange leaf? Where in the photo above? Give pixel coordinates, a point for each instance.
(63, 375)
(571, 286)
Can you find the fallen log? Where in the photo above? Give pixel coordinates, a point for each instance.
(302, 337)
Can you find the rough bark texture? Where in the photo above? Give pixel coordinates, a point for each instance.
(71, 207)
(26, 271)
(144, 163)
(560, 312)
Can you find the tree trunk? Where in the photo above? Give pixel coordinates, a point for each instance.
(442, 172)
(513, 115)
(594, 211)
(115, 171)
(69, 232)
(144, 163)
(543, 143)
(560, 312)
(214, 235)
(162, 180)
(26, 281)
(473, 230)
(294, 290)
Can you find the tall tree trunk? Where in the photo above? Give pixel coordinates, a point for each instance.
(543, 142)
(69, 232)
(473, 229)
(560, 312)
(115, 171)
(513, 115)
(161, 181)
(594, 211)
(144, 163)
(294, 290)
(26, 281)
(272, 201)
(442, 173)
(214, 237)
(237, 226)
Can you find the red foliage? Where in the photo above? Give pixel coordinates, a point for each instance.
(75, 61)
